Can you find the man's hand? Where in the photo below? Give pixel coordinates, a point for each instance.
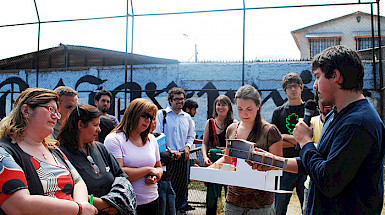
(176, 153)
(186, 151)
(302, 133)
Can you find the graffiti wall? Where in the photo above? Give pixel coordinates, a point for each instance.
(202, 82)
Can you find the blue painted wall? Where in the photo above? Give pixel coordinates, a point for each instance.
(203, 82)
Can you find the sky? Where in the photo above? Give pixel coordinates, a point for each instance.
(218, 36)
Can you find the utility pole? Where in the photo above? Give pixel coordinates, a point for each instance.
(195, 47)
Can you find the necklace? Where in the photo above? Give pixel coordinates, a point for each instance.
(215, 122)
(35, 147)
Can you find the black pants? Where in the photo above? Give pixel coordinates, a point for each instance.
(178, 170)
(150, 208)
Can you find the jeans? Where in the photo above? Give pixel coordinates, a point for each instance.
(234, 210)
(289, 181)
(166, 198)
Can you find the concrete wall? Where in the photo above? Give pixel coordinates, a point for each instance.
(203, 82)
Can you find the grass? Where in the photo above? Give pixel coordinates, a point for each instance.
(196, 185)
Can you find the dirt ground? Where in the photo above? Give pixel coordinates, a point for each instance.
(294, 207)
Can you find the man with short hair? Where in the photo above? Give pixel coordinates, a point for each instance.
(68, 98)
(190, 106)
(103, 103)
(346, 169)
(285, 117)
(180, 134)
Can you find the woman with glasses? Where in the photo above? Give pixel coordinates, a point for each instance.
(266, 136)
(136, 150)
(97, 167)
(36, 178)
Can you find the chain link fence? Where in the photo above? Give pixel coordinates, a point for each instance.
(147, 51)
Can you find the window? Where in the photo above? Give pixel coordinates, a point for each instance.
(317, 45)
(366, 42)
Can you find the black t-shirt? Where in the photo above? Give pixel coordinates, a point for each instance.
(285, 117)
(106, 126)
(97, 184)
(221, 136)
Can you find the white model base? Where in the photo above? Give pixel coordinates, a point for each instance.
(244, 176)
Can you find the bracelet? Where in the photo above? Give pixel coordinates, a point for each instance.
(80, 208)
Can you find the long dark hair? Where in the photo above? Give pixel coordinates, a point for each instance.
(230, 114)
(69, 132)
(249, 92)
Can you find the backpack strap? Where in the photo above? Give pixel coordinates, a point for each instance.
(213, 142)
(164, 117)
(164, 122)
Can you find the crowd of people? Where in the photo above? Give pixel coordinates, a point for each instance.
(58, 156)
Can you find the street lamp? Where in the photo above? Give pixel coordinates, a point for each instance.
(196, 48)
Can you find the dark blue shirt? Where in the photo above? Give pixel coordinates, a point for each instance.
(346, 169)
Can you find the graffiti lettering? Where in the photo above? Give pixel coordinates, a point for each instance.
(135, 91)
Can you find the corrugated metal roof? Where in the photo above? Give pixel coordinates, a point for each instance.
(65, 56)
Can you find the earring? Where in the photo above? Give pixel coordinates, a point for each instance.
(26, 114)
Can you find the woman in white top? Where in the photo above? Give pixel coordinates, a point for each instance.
(136, 150)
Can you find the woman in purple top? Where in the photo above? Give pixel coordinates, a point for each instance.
(136, 150)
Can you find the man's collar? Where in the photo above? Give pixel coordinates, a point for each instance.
(168, 110)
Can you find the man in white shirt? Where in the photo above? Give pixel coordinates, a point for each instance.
(180, 133)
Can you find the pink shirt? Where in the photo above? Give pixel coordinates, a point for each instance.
(134, 157)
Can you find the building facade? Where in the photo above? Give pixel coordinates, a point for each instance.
(352, 30)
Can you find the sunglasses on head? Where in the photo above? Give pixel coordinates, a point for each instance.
(147, 116)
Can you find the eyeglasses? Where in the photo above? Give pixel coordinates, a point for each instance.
(178, 99)
(52, 110)
(147, 116)
(295, 86)
(93, 164)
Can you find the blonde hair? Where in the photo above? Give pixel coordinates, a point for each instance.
(131, 117)
(15, 123)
